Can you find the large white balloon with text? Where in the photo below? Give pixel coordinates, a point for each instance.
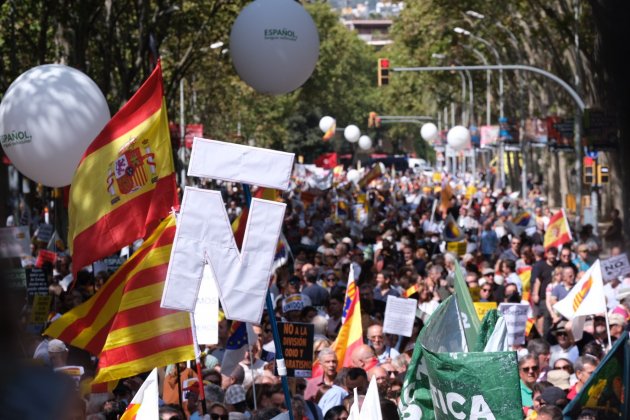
(274, 45)
(48, 118)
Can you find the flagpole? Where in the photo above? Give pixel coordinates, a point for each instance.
(252, 370)
(608, 330)
(280, 365)
(202, 391)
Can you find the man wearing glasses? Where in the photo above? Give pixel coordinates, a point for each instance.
(513, 253)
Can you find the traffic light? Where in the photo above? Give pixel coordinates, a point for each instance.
(383, 71)
(373, 120)
(590, 168)
(602, 175)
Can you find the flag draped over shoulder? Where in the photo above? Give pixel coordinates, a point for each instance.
(145, 404)
(351, 332)
(558, 231)
(125, 183)
(607, 391)
(123, 323)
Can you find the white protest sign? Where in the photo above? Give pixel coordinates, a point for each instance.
(204, 234)
(614, 267)
(400, 314)
(515, 315)
(206, 316)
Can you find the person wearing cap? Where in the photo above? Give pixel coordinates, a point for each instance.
(57, 353)
(565, 348)
(235, 399)
(581, 260)
(617, 326)
(560, 378)
(554, 396)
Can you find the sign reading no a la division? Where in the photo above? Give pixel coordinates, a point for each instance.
(297, 346)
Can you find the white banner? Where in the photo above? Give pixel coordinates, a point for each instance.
(206, 314)
(515, 315)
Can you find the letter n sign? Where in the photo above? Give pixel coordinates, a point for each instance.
(204, 234)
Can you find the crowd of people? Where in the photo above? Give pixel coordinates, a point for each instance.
(391, 233)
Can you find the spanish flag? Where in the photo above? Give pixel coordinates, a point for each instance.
(351, 332)
(125, 183)
(123, 323)
(558, 231)
(376, 172)
(145, 404)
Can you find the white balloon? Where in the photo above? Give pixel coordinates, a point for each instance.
(325, 123)
(365, 143)
(274, 45)
(429, 132)
(48, 117)
(353, 175)
(352, 133)
(458, 137)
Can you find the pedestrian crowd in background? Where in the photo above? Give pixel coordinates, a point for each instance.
(391, 232)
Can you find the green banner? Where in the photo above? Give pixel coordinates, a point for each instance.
(474, 385)
(607, 389)
(442, 332)
(470, 320)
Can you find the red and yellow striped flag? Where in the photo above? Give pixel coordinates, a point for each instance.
(125, 182)
(558, 232)
(351, 332)
(329, 134)
(123, 323)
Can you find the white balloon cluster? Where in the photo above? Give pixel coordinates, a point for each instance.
(48, 117)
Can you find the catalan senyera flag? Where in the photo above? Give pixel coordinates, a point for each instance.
(329, 134)
(125, 183)
(145, 404)
(558, 231)
(123, 323)
(586, 297)
(351, 332)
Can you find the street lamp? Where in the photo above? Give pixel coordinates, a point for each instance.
(514, 42)
(484, 60)
(498, 58)
(465, 78)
